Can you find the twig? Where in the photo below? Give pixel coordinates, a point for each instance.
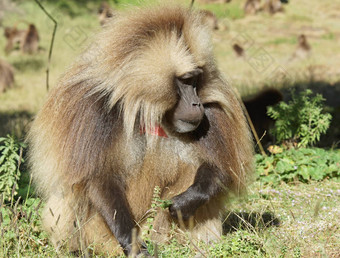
(52, 41)
(258, 141)
(29, 189)
(198, 249)
(251, 125)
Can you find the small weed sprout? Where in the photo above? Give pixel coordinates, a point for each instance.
(10, 160)
(156, 204)
(301, 121)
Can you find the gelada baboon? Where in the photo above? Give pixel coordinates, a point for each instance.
(239, 51)
(14, 37)
(214, 1)
(273, 6)
(303, 49)
(105, 12)
(30, 44)
(144, 106)
(6, 75)
(28, 40)
(252, 6)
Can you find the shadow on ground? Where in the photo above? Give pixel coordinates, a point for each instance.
(15, 123)
(32, 64)
(249, 221)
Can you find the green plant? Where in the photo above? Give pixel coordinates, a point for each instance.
(301, 121)
(20, 230)
(10, 160)
(240, 243)
(156, 204)
(302, 165)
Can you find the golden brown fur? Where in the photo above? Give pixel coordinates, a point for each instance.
(6, 76)
(88, 132)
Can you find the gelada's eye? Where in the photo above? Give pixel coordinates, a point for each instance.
(189, 81)
(191, 78)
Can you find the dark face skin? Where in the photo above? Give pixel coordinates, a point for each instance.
(188, 113)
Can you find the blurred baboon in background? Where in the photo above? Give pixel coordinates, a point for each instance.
(273, 6)
(6, 75)
(210, 19)
(27, 40)
(30, 44)
(14, 37)
(252, 6)
(105, 12)
(214, 1)
(257, 109)
(238, 50)
(303, 49)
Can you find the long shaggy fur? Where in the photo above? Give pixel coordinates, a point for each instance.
(89, 128)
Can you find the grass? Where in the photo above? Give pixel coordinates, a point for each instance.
(309, 216)
(308, 213)
(231, 11)
(296, 220)
(283, 40)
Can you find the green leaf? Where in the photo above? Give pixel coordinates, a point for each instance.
(316, 173)
(303, 171)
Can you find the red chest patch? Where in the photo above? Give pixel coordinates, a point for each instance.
(157, 131)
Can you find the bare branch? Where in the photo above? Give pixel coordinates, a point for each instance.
(52, 41)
